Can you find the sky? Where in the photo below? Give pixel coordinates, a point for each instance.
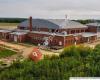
(74, 9)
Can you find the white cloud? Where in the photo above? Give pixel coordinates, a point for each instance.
(50, 8)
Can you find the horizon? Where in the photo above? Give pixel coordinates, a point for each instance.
(42, 18)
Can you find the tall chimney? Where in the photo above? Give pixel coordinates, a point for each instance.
(30, 23)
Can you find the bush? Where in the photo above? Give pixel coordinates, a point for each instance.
(76, 51)
(73, 62)
(71, 51)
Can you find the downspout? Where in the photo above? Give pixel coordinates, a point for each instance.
(64, 40)
(65, 34)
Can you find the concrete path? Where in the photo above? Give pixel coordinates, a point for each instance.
(11, 45)
(26, 50)
(92, 45)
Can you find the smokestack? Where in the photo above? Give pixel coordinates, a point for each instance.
(30, 23)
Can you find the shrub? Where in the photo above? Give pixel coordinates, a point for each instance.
(67, 65)
(71, 51)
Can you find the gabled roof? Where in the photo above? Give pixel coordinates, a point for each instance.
(88, 34)
(53, 24)
(18, 33)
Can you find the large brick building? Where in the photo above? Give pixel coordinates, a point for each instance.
(53, 32)
(57, 32)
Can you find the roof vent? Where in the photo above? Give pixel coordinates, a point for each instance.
(64, 32)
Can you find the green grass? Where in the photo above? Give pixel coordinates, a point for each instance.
(8, 24)
(5, 53)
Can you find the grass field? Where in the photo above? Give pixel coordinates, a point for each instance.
(5, 52)
(8, 25)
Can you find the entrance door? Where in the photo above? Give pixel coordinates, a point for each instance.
(15, 38)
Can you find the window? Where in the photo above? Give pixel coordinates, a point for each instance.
(38, 29)
(66, 41)
(72, 31)
(60, 43)
(50, 30)
(82, 30)
(53, 30)
(35, 28)
(57, 30)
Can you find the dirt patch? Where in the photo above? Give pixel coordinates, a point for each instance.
(92, 45)
(27, 50)
(14, 46)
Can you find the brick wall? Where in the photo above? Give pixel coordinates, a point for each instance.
(20, 38)
(92, 29)
(39, 39)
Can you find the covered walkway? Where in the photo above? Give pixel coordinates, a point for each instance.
(89, 37)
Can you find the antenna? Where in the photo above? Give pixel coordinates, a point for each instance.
(66, 19)
(66, 16)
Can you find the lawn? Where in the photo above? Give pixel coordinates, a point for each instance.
(8, 25)
(5, 52)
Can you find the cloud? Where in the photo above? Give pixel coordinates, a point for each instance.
(50, 8)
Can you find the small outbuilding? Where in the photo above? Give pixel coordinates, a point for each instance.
(18, 36)
(4, 34)
(94, 27)
(89, 37)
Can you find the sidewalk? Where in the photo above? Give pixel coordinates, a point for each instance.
(11, 45)
(25, 49)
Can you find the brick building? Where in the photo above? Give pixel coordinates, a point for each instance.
(94, 27)
(52, 32)
(57, 32)
(4, 34)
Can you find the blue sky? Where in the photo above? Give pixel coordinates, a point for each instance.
(75, 9)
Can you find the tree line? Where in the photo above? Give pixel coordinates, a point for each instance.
(18, 20)
(87, 21)
(12, 20)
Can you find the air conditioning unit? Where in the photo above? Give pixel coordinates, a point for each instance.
(64, 32)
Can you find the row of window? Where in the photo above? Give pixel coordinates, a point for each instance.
(76, 31)
(70, 41)
(37, 38)
(56, 30)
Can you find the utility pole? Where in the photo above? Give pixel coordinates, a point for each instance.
(66, 26)
(64, 40)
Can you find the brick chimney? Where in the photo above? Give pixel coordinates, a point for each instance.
(30, 23)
